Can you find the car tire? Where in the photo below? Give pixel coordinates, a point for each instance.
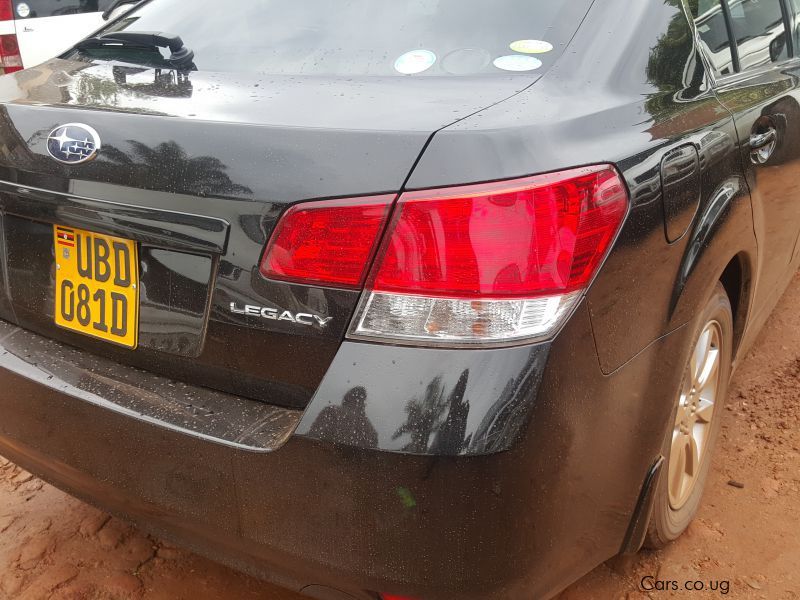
(684, 472)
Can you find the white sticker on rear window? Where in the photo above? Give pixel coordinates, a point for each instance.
(416, 61)
(531, 46)
(517, 62)
(23, 10)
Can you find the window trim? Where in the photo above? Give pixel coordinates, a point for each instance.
(756, 72)
(726, 12)
(740, 74)
(787, 24)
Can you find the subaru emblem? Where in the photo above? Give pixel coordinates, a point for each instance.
(73, 143)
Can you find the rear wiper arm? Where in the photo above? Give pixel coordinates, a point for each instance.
(181, 57)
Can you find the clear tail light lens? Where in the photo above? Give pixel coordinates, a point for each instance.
(328, 243)
(455, 321)
(493, 263)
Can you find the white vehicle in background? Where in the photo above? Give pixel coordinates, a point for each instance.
(33, 31)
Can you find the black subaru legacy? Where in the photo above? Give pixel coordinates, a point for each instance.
(396, 300)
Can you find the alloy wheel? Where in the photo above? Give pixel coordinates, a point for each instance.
(696, 410)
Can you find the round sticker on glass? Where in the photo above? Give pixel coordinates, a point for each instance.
(416, 61)
(531, 46)
(517, 62)
(23, 10)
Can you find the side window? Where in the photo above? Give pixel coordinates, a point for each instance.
(759, 31)
(32, 9)
(710, 23)
(795, 7)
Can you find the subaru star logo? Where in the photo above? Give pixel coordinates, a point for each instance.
(73, 143)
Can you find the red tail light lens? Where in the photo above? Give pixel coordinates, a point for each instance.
(328, 243)
(492, 264)
(532, 237)
(10, 58)
(6, 10)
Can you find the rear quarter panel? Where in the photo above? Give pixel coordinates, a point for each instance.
(626, 95)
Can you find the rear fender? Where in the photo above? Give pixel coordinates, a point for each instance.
(723, 231)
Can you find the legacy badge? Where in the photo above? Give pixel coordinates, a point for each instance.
(274, 314)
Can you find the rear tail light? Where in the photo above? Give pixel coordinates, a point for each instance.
(10, 59)
(493, 264)
(328, 243)
(6, 10)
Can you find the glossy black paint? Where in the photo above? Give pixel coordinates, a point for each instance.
(503, 473)
(169, 229)
(425, 401)
(680, 184)
(762, 100)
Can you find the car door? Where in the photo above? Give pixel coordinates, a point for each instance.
(45, 28)
(762, 94)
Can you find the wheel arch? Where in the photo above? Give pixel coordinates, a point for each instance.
(721, 247)
(737, 280)
(734, 279)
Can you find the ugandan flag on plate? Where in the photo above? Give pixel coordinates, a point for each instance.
(65, 237)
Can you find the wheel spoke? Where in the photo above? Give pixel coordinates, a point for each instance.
(677, 465)
(680, 414)
(700, 355)
(705, 412)
(692, 458)
(709, 370)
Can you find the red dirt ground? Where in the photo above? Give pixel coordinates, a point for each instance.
(53, 546)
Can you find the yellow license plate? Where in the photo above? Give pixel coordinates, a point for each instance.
(97, 285)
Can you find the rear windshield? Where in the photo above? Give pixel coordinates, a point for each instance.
(362, 37)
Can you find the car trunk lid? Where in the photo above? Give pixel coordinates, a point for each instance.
(196, 168)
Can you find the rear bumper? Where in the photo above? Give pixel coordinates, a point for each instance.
(520, 523)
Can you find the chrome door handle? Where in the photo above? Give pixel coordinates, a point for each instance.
(762, 145)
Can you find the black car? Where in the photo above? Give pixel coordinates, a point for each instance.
(430, 299)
